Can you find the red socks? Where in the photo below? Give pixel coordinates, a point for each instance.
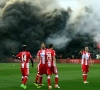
(40, 80)
(56, 79)
(49, 81)
(85, 77)
(22, 78)
(37, 76)
(25, 80)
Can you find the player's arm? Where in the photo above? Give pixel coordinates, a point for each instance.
(17, 56)
(31, 59)
(54, 58)
(38, 59)
(82, 59)
(90, 60)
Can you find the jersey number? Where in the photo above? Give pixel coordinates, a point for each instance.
(49, 56)
(23, 57)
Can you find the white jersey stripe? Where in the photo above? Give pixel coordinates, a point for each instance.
(85, 58)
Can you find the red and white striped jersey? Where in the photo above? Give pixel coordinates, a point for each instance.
(42, 56)
(24, 57)
(49, 56)
(85, 58)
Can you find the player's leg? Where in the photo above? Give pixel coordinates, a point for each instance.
(55, 71)
(41, 74)
(22, 78)
(25, 73)
(48, 77)
(83, 73)
(43, 71)
(85, 70)
(22, 74)
(22, 71)
(40, 79)
(40, 82)
(86, 73)
(85, 77)
(49, 82)
(24, 82)
(37, 76)
(36, 79)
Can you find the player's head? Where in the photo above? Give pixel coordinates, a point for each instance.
(86, 49)
(42, 45)
(24, 47)
(51, 46)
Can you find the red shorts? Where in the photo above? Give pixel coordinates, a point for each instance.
(85, 68)
(25, 71)
(52, 70)
(42, 69)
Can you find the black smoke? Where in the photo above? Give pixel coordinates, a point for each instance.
(22, 22)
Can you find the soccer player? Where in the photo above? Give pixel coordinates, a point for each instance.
(24, 56)
(51, 66)
(86, 58)
(42, 65)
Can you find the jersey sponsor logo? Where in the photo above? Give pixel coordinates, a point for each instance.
(42, 55)
(86, 56)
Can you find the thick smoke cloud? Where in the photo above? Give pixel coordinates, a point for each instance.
(32, 22)
(24, 22)
(3, 3)
(82, 29)
(86, 22)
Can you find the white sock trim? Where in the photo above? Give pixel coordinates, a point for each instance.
(22, 76)
(56, 76)
(48, 77)
(26, 76)
(84, 74)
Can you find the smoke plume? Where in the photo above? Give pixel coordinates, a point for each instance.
(29, 22)
(32, 22)
(85, 21)
(86, 18)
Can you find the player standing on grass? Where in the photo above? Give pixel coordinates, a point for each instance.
(42, 65)
(24, 56)
(51, 66)
(86, 59)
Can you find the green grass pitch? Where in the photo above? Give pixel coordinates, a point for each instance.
(70, 77)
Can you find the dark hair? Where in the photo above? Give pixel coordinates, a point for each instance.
(50, 45)
(24, 47)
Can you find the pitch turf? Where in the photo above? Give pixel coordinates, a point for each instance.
(70, 77)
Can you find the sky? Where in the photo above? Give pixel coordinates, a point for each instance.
(65, 3)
